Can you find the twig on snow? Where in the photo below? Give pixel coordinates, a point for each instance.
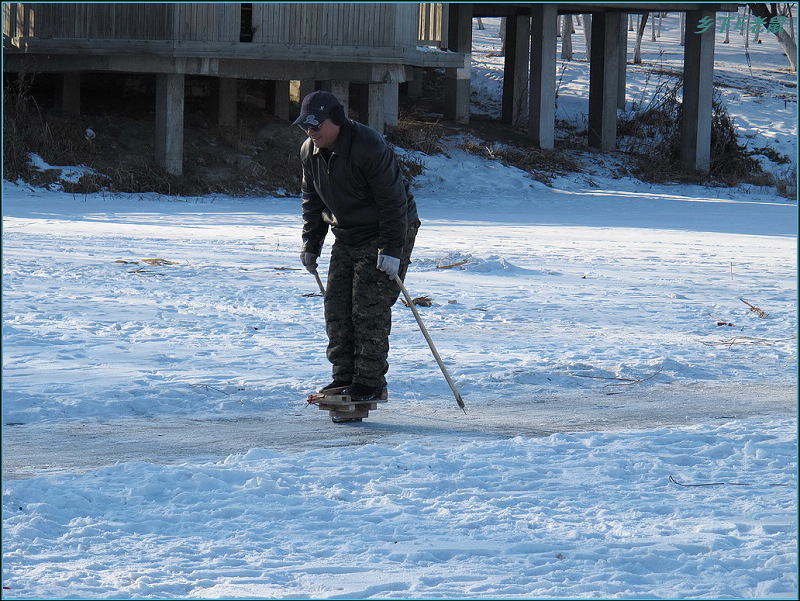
(747, 340)
(209, 387)
(674, 481)
(755, 309)
(622, 381)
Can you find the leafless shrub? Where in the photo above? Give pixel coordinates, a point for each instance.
(652, 136)
(786, 183)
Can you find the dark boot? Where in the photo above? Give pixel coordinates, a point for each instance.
(360, 392)
(335, 387)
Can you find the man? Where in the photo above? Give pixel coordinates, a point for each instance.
(353, 185)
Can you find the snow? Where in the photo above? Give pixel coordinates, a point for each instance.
(631, 426)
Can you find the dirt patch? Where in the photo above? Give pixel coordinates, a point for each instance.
(113, 139)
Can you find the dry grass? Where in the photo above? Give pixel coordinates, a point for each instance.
(260, 154)
(651, 136)
(541, 165)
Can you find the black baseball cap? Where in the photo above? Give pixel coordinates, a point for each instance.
(316, 108)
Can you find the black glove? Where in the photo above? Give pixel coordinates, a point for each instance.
(309, 261)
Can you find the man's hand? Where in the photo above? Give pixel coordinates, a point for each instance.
(309, 261)
(388, 264)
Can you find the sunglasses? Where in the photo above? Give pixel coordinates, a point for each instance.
(306, 126)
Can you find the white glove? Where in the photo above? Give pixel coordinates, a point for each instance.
(309, 261)
(388, 264)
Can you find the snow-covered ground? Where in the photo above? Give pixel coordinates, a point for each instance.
(631, 425)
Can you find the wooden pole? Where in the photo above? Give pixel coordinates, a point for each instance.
(436, 356)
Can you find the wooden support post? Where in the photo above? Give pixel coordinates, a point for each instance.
(169, 122)
(542, 103)
(698, 89)
(71, 93)
(515, 78)
(457, 81)
(603, 73)
(226, 105)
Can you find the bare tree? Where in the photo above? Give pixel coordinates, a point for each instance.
(587, 34)
(637, 49)
(682, 27)
(727, 39)
(566, 38)
(788, 11)
(769, 16)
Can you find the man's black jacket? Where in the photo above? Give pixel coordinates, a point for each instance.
(358, 190)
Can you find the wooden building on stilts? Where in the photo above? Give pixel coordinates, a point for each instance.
(364, 52)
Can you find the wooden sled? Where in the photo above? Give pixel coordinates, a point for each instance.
(342, 408)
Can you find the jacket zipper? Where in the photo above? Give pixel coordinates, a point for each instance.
(327, 162)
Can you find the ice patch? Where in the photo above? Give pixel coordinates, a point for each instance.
(469, 262)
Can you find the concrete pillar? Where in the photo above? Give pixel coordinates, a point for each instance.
(341, 89)
(71, 93)
(457, 81)
(299, 89)
(603, 80)
(391, 100)
(226, 105)
(282, 100)
(415, 83)
(698, 89)
(376, 106)
(515, 69)
(269, 96)
(622, 75)
(169, 122)
(542, 103)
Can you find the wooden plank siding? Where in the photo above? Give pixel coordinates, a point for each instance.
(407, 24)
(206, 22)
(98, 34)
(18, 20)
(125, 21)
(431, 30)
(135, 21)
(312, 24)
(379, 25)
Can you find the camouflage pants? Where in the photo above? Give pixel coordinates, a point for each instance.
(358, 311)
